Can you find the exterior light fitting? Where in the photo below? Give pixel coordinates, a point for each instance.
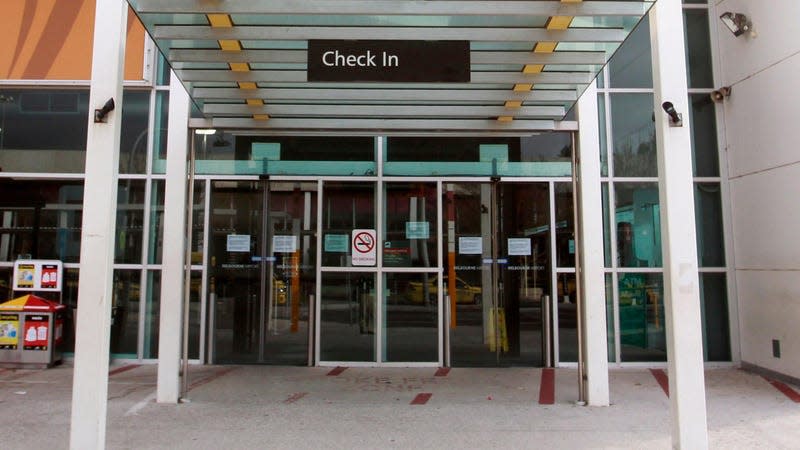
(675, 118)
(100, 114)
(737, 23)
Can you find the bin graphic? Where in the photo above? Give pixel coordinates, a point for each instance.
(31, 330)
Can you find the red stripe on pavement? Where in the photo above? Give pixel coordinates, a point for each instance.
(295, 397)
(336, 371)
(442, 372)
(211, 378)
(124, 368)
(785, 390)
(547, 388)
(662, 379)
(421, 399)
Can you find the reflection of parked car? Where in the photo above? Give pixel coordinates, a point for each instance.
(465, 292)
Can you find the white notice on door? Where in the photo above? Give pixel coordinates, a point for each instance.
(284, 244)
(470, 245)
(238, 243)
(519, 246)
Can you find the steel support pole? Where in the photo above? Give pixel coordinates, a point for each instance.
(678, 237)
(90, 382)
(589, 251)
(172, 272)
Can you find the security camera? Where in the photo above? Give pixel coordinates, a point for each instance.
(720, 94)
(675, 119)
(100, 114)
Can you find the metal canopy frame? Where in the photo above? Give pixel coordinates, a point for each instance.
(244, 62)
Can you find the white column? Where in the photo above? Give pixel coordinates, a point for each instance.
(172, 271)
(676, 197)
(90, 383)
(590, 238)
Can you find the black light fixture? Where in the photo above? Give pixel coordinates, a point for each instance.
(719, 95)
(737, 23)
(100, 114)
(675, 118)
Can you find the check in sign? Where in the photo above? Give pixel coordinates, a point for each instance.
(388, 61)
(363, 247)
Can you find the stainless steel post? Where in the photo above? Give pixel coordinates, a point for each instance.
(446, 331)
(579, 299)
(187, 282)
(547, 334)
(495, 271)
(312, 308)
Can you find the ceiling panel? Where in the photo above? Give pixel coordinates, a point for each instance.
(244, 63)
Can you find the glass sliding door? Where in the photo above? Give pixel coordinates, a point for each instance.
(347, 303)
(497, 271)
(410, 300)
(288, 270)
(262, 270)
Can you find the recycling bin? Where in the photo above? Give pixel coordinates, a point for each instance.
(31, 332)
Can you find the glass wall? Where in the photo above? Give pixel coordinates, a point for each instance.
(347, 317)
(41, 217)
(542, 155)
(43, 132)
(632, 228)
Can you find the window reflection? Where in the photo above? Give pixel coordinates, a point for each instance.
(40, 219)
(130, 218)
(125, 312)
(631, 66)
(634, 135)
(638, 225)
(25, 114)
(698, 49)
(133, 140)
(641, 317)
(410, 239)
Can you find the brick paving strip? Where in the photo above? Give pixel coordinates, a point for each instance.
(212, 377)
(421, 399)
(124, 368)
(662, 379)
(336, 371)
(295, 397)
(547, 387)
(785, 389)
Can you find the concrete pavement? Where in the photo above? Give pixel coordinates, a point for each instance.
(244, 407)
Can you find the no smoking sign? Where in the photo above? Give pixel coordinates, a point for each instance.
(363, 247)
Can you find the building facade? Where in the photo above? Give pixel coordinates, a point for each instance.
(273, 275)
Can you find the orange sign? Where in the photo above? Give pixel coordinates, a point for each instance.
(52, 40)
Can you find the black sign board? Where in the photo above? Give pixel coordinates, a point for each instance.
(389, 61)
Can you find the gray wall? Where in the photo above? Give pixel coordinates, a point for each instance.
(762, 133)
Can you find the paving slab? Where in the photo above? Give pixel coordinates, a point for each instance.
(245, 407)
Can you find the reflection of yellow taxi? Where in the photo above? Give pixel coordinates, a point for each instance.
(279, 292)
(465, 293)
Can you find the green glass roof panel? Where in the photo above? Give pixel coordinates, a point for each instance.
(274, 40)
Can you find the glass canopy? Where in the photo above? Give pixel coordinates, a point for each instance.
(246, 63)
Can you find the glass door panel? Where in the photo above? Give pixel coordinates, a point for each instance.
(347, 317)
(524, 268)
(234, 279)
(410, 237)
(289, 270)
(262, 270)
(497, 271)
(347, 326)
(346, 206)
(470, 293)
